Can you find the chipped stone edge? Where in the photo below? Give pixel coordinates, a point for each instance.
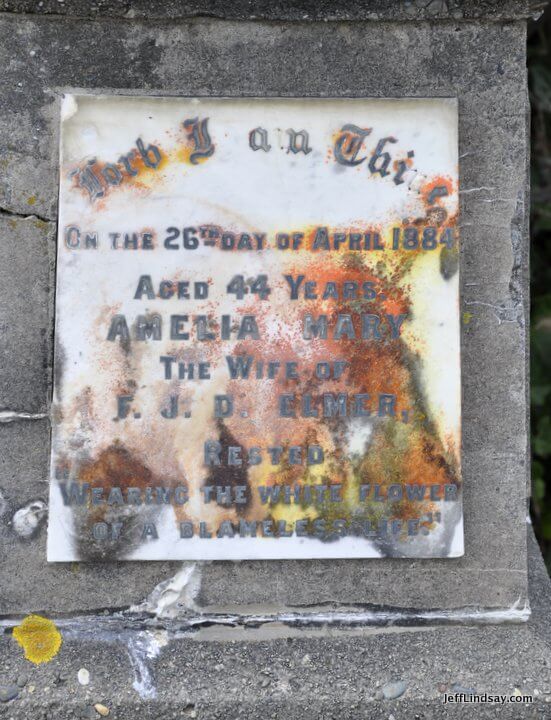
(169, 597)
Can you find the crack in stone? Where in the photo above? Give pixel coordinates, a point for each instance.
(21, 216)
(467, 191)
(98, 626)
(502, 314)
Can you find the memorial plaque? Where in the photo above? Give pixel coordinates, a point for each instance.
(257, 330)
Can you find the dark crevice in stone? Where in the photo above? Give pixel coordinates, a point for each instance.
(517, 238)
(120, 622)
(21, 216)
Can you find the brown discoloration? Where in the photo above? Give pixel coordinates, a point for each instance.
(115, 467)
(408, 453)
(414, 444)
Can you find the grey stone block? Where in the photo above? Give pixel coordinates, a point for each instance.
(26, 279)
(493, 372)
(483, 64)
(493, 256)
(275, 670)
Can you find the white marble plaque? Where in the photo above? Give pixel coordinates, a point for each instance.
(257, 330)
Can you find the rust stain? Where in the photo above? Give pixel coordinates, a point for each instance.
(134, 170)
(436, 188)
(115, 466)
(410, 453)
(401, 445)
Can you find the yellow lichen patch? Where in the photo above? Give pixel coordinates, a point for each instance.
(31, 200)
(467, 317)
(39, 638)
